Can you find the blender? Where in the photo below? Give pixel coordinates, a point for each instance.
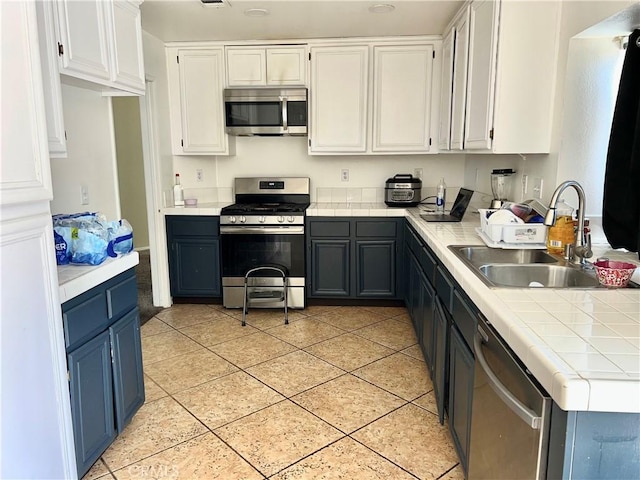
(501, 186)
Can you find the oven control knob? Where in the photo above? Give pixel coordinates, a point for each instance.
(243, 219)
(280, 219)
(290, 219)
(232, 219)
(262, 219)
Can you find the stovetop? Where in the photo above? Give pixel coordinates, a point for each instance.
(265, 208)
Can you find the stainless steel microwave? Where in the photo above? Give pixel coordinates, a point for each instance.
(265, 111)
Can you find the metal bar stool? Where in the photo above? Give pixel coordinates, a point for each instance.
(255, 295)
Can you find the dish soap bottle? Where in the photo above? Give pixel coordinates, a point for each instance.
(441, 195)
(178, 194)
(562, 233)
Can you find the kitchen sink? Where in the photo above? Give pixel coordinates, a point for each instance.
(479, 256)
(531, 275)
(523, 268)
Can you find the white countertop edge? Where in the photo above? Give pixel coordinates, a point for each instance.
(78, 279)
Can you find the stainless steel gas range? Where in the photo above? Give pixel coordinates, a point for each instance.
(265, 227)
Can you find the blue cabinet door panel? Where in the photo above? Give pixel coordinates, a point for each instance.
(330, 269)
(91, 400)
(128, 379)
(376, 268)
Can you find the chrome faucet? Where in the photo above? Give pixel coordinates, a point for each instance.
(582, 242)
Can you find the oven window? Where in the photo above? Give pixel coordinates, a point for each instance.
(241, 252)
(256, 114)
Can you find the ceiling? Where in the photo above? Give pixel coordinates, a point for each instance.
(190, 20)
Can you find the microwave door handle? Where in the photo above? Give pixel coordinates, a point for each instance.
(521, 410)
(284, 113)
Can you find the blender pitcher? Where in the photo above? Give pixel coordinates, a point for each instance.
(501, 186)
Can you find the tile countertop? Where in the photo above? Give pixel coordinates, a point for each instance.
(199, 209)
(76, 279)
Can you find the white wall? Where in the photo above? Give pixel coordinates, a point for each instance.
(593, 76)
(91, 156)
(287, 156)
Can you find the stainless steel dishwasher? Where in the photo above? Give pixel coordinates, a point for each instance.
(510, 415)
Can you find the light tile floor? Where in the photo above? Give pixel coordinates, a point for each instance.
(340, 392)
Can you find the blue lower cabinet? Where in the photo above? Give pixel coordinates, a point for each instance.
(128, 381)
(104, 358)
(90, 384)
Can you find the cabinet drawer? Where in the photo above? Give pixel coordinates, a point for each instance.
(444, 287)
(329, 229)
(380, 228)
(122, 296)
(84, 317)
(465, 318)
(207, 226)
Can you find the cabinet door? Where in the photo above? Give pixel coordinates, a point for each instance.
(330, 268)
(194, 267)
(402, 98)
(483, 35)
(126, 33)
(128, 380)
(440, 356)
(459, 81)
(375, 268)
(338, 96)
(426, 339)
(246, 66)
(90, 383)
(84, 39)
(446, 86)
(201, 102)
(286, 66)
(461, 366)
(51, 80)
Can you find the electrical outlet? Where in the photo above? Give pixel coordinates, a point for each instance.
(417, 172)
(199, 175)
(84, 195)
(344, 174)
(537, 188)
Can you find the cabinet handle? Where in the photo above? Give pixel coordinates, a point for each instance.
(60, 49)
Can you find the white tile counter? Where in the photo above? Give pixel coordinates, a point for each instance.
(582, 345)
(76, 279)
(212, 208)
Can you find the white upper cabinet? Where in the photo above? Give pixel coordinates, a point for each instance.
(361, 108)
(481, 74)
(504, 75)
(444, 129)
(265, 66)
(196, 82)
(101, 42)
(51, 80)
(402, 98)
(127, 60)
(339, 93)
(459, 79)
(26, 173)
(83, 39)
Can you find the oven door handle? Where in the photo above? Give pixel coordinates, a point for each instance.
(288, 230)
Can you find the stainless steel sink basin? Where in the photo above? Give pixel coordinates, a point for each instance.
(523, 268)
(540, 275)
(478, 255)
